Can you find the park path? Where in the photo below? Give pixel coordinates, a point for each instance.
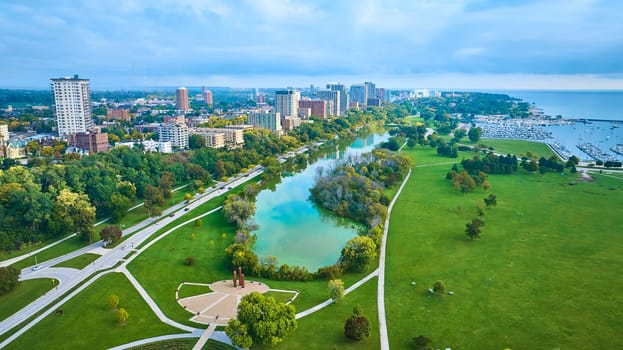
(330, 301)
(381, 269)
(204, 337)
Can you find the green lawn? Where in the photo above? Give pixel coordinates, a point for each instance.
(62, 248)
(25, 293)
(189, 290)
(518, 147)
(80, 261)
(324, 329)
(281, 297)
(89, 323)
(545, 274)
(4, 255)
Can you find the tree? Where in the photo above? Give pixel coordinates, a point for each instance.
(358, 253)
(237, 209)
(357, 327)
(9, 279)
(261, 321)
(474, 134)
(153, 198)
(113, 301)
(111, 234)
(439, 287)
(120, 205)
(491, 201)
(337, 290)
(122, 315)
(472, 229)
(463, 182)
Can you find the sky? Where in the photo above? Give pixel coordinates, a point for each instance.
(449, 44)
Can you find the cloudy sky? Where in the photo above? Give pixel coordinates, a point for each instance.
(272, 43)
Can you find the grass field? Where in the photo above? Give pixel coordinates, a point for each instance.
(324, 329)
(89, 322)
(544, 275)
(4, 255)
(518, 147)
(280, 297)
(24, 294)
(62, 248)
(79, 262)
(189, 290)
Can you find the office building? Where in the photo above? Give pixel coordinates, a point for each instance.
(333, 101)
(176, 133)
(72, 104)
(181, 99)
(287, 102)
(265, 119)
(343, 96)
(358, 94)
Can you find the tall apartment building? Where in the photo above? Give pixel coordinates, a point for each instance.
(72, 104)
(176, 133)
(181, 99)
(358, 94)
(208, 98)
(287, 102)
(334, 100)
(317, 108)
(265, 119)
(343, 96)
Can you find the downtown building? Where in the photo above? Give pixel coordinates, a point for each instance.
(333, 101)
(287, 102)
(72, 105)
(317, 108)
(343, 104)
(266, 119)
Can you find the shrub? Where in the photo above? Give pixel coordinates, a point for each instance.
(190, 261)
(357, 326)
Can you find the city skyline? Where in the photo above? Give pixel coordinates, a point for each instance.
(478, 44)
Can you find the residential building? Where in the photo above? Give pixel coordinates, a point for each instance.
(72, 105)
(265, 119)
(305, 113)
(232, 138)
(4, 133)
(181, 99)
(317, 108)
(214, 139)
(91, 142)
(333, 99)
(373, 102)
(358, 94)
(176, 133)
(119, 114)
(343, 96)
(15, 149)
(287, 102)
(290, 122)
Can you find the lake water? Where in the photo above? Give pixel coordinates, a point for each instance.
(293, 229)
(607, 105)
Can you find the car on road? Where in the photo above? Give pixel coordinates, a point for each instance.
(36, 267)
(229, 188)
(171, 215)
(186, 209)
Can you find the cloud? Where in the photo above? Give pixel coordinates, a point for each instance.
(368, 38)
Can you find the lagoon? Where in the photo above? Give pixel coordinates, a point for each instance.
(292, 228)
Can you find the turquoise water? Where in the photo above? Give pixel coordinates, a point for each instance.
(293, 229)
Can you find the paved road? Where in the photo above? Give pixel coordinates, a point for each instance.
(381, 285)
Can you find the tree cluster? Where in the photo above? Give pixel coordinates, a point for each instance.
(9, 279)
(491, 164)
(261, 321)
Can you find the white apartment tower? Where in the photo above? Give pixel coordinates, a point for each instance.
(72, 104)
(287, 102)
(176, 133)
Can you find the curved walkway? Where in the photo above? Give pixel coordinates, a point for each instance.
(381, 286)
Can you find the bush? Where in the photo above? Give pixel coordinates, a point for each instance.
(439, 287)
(190, 261)
(357, 327)
(329, 272)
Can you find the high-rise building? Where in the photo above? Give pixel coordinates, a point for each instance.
(265, 119)
(181, 99)
(72, 104)
(370, 90)
(287, 102)
(358, 94)
(343, 96)
(176, 133)
(207, 97)
(333, 100)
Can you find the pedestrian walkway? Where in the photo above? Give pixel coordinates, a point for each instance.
(204, 337)
(381, 269)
